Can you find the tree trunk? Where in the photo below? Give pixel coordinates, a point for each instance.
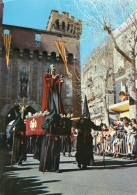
(132, 91)
(106, 111)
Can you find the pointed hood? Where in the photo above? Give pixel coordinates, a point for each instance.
(85, 109)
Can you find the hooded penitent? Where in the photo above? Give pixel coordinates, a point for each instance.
(86, 113)
(52, 119)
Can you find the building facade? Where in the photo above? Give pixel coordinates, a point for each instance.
(125, 67)
(32, 51)
(98, 84)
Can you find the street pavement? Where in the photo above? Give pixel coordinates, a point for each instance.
(114, 177)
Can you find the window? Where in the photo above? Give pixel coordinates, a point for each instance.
(6, 31)
(70, 58)
(37, 39)
(44, 55)
(60, 58)
(53, 55)
(68, 27)
(26, 53)
(63, 25)
(35, 54)
(16, 52)
(57, 23)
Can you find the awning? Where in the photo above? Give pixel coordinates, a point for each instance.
(125, 114)
(120, 107)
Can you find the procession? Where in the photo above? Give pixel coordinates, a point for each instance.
(68, 97)
(51, 130)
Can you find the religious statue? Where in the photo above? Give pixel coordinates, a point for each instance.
(22, 107)
(52, 89)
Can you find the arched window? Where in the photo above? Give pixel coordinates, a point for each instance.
(26, 54)
(16, 52)
(63, 25)
(44, 55)
(60, 58)
(53, 56)
(70, 58)
(36, 54)
(57, 24)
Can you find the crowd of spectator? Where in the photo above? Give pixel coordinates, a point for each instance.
(120, 138)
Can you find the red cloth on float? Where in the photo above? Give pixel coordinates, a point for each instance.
(33, 126)
(48, 88)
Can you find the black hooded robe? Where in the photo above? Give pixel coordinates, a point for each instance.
(19, 149)
(50, 150)
(84, 151)
(66, 138)
(37, 147)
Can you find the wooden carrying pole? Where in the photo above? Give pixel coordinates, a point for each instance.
(13, 145)
(46, 152)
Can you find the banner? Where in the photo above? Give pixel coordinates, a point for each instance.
(62, 51)
(33, 126)
(7, 42)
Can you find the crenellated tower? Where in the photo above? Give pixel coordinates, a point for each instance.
(64, 24)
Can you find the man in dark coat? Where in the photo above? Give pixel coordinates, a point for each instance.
(37, 146)
(50, 151)
(66, 137)
(84, 153)
(19, 147)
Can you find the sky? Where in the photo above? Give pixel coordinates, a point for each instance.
(35, 14)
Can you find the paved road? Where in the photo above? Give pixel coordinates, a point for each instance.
(118, 177)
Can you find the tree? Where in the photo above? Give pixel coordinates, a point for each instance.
(105, 18)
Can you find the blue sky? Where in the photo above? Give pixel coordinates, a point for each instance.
(35, 14)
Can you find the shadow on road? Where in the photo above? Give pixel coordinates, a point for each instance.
(109, 164)
(113, 162)
(12, 185)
